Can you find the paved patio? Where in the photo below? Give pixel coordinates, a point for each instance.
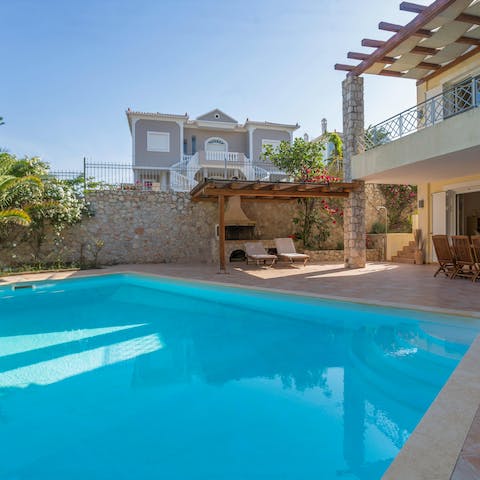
(378, 283)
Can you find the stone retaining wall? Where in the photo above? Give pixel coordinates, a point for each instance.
(152, 227)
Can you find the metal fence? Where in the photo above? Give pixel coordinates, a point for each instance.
(181, 177)
(66, 174)
(458, 99)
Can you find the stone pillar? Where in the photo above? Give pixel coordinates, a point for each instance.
(354, 238)
(354, 212)
(353, 122)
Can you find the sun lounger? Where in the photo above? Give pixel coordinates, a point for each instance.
(256, 252)
(286, 250)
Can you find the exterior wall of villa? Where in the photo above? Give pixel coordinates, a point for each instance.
(216, 116)
(237, 141)
(260, 134)
(469, 67)
(426, 191)
(142, 157)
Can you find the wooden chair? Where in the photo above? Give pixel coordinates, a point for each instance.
(476, 253)
(465, 264)
(445, 258)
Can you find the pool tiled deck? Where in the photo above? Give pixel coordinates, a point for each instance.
(446, 443)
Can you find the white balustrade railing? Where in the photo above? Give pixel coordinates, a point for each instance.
(229, 157)
(207, 164)
(179, 182)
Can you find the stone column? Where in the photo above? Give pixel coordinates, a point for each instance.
(354, 212)
(354, 238)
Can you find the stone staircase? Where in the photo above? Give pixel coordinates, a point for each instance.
(406, 254)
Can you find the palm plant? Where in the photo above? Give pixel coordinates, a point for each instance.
(10, 212)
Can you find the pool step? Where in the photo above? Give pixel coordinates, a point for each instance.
(381, 378)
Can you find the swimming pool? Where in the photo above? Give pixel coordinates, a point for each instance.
(124, 376)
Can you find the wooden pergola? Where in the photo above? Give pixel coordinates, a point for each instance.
(217, 190)
(441, 35)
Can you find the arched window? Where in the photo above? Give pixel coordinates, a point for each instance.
(216, 144)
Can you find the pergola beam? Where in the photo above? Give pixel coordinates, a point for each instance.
(270, 193)
(275, 190)
(370, 42)
(468, 40)
(393, 27)
(364, 56)
(390, 73)
(344, 67)
(391, 60)
(467, 18)
(412, 7)
(424, 50)
(429, 66)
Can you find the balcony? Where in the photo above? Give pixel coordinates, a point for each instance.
(454, 101)
(192, 169)
(434, 140)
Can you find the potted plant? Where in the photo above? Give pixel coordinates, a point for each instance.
(418, 255)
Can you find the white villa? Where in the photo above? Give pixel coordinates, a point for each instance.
(174, 152)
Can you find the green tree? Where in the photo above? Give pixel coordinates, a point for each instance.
(303, 160)
(375, 136)
(334, 161)
(47, 205)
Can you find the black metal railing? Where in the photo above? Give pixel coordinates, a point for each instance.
(180, 177)
(458, 99)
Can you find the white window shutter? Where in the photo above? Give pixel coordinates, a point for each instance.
(158, 141)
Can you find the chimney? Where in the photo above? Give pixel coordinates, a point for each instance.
(234, 215)
(324, 126)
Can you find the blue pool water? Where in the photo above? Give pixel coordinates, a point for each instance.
(128, 377)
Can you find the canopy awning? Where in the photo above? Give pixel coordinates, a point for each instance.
(440, 36)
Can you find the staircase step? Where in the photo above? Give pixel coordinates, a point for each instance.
(405, 254)
(398, 259)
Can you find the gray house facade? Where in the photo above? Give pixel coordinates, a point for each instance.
(174, 152)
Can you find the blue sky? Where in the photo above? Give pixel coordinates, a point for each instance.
(71, 68)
